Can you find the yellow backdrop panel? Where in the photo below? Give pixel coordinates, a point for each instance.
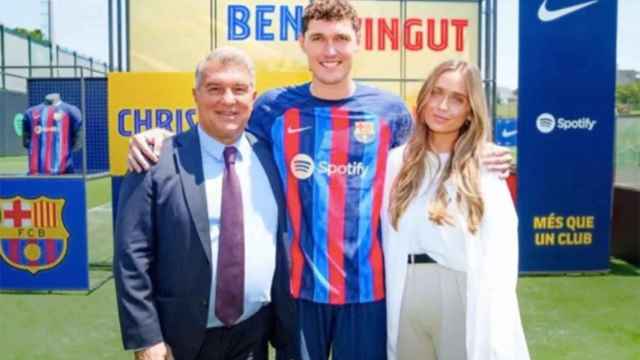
(141, 101)
(399, 40)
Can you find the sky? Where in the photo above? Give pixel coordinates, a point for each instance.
(82, 25)
(79, 25)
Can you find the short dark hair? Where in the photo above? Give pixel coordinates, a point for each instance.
(330, 10)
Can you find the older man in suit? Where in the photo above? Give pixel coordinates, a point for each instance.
(200, 261)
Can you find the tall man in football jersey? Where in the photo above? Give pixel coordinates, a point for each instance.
(330, 139)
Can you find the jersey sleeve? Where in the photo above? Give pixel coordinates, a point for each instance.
(262, 118)
(76, 125)
(26, 129)
(76, 117)
(401, 125)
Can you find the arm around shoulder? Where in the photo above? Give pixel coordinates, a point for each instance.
(145, 148)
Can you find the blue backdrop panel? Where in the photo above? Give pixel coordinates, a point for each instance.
(97, 124)
(43, 234)
(95, 117)
(566, 133)
(116, 181)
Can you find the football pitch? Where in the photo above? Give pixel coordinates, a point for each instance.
(565, 317)
(13, 165)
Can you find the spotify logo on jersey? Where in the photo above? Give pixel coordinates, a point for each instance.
(302, 166)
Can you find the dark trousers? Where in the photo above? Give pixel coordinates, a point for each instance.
(247, 340)
(347, 332)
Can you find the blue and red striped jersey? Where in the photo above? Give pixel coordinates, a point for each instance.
(331, 156)
(50, 133)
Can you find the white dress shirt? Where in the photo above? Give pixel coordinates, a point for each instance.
(260, 215)
(447, 251)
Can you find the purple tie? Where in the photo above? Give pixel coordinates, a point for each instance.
(230, 271)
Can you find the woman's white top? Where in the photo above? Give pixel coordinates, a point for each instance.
(490, 259)
(427, 238)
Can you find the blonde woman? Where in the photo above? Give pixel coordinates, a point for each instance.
(450, 232)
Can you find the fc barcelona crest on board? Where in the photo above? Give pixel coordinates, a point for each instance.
(33, 237)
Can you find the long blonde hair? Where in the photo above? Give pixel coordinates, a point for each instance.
(463, 165)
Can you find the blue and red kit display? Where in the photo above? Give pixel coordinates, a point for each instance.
(331, 156)
(50, 133)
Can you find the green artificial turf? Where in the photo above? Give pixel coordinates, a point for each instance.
(583, 317)
(565, 318)
(13, 165)
(60, 326)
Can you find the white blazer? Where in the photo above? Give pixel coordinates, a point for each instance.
(493, 326)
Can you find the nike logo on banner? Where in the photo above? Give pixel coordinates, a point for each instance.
(506, 133)
(546, 15)
(291, 130)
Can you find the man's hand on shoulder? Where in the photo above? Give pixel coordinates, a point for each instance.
(497, 159)
(144, 149)
(159, 351)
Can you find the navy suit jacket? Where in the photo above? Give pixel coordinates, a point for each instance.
(162, 255)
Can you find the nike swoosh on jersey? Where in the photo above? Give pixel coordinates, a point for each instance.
(291, 130)
(546, 15)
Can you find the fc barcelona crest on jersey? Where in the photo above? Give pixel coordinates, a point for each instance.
(33, 237)
(364, 131)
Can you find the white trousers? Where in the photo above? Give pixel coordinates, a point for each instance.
(432, 317)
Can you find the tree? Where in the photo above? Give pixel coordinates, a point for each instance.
(36, 34)
(629, 94)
